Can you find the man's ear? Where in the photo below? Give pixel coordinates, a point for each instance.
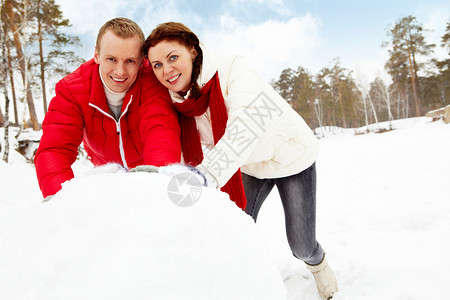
(96, 55)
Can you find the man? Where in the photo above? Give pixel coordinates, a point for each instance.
(114, 105)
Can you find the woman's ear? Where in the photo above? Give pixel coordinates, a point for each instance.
(194, 54)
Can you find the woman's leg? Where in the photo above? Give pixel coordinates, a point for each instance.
(298, 195)
(256, 191)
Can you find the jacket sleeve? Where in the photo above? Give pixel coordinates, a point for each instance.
(251, 113)
(62, 134)
(160, 129)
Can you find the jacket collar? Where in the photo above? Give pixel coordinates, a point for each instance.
(209, 66)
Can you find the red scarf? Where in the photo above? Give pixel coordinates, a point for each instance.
(211, 96)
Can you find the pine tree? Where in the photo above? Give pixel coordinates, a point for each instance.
(322, 92)
(344, 92)
(297, 88)
(397, 67)
(407, 42)
(284, 85)
(444, 68)
(50, 27)
(303, 95)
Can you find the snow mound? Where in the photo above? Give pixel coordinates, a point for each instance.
(118, 236)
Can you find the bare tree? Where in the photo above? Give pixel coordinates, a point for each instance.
(366, 115)
(380, 91)
(5, 89)
(12, 18)
(319, 115)
(11, 80)
(373, 110)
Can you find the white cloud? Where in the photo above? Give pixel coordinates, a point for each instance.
(152, 15)
(367, 70)
(437, 22)
(248, 6)
(271, 46)
(89, 16)
(268, 2)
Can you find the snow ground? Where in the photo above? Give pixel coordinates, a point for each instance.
(383, 213)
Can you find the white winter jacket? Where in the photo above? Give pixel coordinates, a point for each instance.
(264, 137)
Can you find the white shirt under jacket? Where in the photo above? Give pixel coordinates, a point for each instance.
(264, 137)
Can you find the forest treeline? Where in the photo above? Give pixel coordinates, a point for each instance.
(332, 97)
(36, 46)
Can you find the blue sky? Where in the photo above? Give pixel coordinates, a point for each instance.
(275, 34)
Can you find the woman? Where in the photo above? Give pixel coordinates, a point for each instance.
(232, 120)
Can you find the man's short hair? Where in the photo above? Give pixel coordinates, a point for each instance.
(123, 28)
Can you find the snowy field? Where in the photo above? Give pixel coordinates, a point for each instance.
(383, 217)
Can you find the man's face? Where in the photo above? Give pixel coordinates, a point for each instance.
(119, 61)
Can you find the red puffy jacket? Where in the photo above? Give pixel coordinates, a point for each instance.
(147, 132)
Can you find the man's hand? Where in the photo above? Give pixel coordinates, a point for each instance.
(175, 170)
(179, 170)
(146, 168)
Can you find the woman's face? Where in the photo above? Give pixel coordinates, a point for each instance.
(172, 63)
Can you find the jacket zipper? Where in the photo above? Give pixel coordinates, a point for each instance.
(118, 128)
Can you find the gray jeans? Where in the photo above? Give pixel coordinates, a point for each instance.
(298, 196)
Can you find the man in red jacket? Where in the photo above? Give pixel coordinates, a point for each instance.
(114, 105)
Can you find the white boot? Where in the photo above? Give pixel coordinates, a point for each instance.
(325, 279)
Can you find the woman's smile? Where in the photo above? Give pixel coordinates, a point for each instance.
(172, 64)
(174, 79)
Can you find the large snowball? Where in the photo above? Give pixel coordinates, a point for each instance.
(119, 236)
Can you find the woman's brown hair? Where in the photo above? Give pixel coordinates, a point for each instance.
(173, 31)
